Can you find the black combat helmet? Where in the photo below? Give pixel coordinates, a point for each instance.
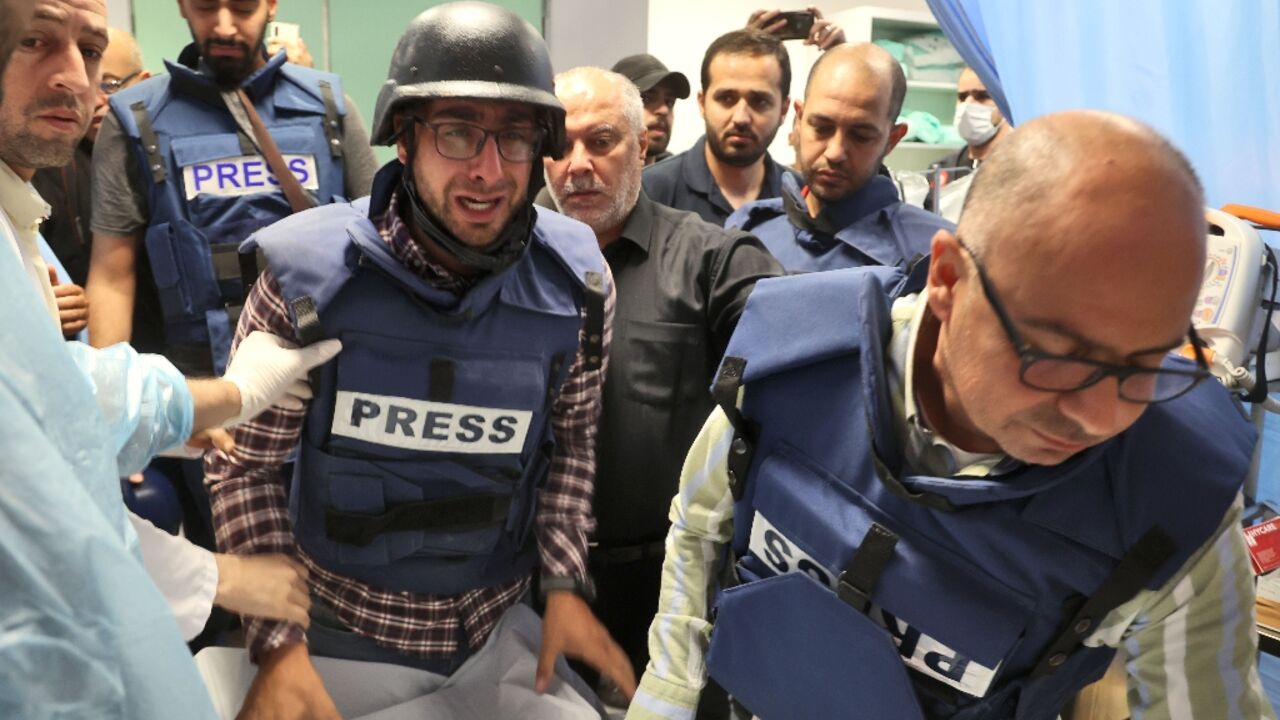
(471, 50)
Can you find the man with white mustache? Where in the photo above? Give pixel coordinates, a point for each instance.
(681, 285)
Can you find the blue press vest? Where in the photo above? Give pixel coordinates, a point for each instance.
(870, 228)
(208, 189)
(436, 412)
(969, 599)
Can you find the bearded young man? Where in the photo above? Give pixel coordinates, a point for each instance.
(746, 81)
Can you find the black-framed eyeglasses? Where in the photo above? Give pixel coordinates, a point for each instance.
(112, 87)
(1063, 373)
(463, 141)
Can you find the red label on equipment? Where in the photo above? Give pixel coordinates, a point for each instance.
(1263, 541)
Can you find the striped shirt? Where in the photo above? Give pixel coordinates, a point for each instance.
(250, 506)
(1191, 645)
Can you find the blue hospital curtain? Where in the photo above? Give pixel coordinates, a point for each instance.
(1205, 73)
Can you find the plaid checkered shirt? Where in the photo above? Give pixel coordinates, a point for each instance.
(250, 506)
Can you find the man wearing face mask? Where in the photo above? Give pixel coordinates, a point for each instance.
(978, 121)
(982, 126)
(846, 214)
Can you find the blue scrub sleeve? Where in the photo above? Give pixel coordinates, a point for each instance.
(144, 399)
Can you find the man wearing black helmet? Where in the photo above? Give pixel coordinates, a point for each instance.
(453, 453)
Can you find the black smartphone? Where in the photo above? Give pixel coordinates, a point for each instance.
(799, 25)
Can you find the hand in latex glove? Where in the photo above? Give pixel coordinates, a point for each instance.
(265, 586)
(271, 371)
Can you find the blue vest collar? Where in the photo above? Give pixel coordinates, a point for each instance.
(844, 221)
(191, 81)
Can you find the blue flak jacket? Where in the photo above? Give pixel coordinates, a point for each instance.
(429, 437)
(871, 227)
(208, 188)
(867, 589)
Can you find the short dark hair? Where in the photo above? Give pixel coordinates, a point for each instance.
(748, 42)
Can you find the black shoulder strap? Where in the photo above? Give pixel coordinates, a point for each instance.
(150, 143)
(725, 394)
(1130, 575)
(332, 120)
(593, 323)
(306, 320)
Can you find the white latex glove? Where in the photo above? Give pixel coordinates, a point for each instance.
(271, 371)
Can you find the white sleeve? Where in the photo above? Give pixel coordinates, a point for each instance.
(185, 573)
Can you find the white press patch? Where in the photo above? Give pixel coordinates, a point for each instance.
(919, 651)
(429, 426)
(245, 175)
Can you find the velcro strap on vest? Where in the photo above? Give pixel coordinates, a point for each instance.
(251, 265)
(863, 572)
(332, 120)
(553, 380)
(440, 380)
(150, 143)
(230, 264)
(453, 514)
(741, 450)
(306, 320)
(1130, 575)
(593, 348)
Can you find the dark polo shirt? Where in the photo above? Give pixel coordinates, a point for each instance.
(684, 182)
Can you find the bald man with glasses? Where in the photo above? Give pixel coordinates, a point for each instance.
(955, 491)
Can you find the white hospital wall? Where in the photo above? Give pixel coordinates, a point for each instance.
(680, 31)
(594, 32)
(120, 14)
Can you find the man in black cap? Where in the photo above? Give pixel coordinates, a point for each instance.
(659, 89)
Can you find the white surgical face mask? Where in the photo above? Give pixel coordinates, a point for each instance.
(973, 122)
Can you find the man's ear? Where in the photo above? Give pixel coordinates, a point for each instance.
(946, 267)
(402, 146)
(701, 106)
(644, 144)
(898, 132)
(784, 105)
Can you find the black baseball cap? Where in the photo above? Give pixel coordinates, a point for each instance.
(646, 71)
